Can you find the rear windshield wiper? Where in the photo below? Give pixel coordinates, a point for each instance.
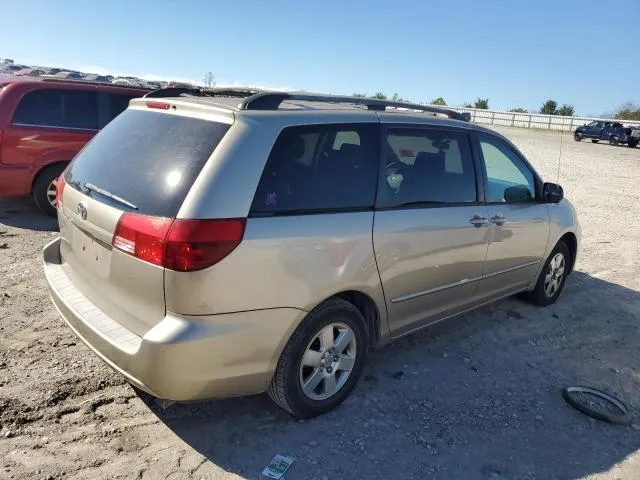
(93, 188)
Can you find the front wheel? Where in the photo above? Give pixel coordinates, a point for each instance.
(322, 361)
(552, 277)
(632, 143)
(44, 189)
(577, 137)
(614, 141)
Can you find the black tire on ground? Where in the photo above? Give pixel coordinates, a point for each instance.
(286, 389)
(577, 137)
(632, 143)
(594, 140)
(538, 296)
(41, 186)
(614, 141)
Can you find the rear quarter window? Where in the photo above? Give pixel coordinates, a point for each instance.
(58, 108)
(149, 159)
(319, 169)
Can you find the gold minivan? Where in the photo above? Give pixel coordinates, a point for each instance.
(216, 243)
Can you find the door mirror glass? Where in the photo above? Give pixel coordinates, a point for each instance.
(552, 193)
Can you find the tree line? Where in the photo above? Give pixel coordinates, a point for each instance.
(628, 111)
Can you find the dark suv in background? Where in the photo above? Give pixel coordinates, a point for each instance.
(614, 132)
(44, 123)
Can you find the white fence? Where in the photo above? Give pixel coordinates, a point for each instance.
(533, 120)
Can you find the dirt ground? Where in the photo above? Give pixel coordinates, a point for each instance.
(477, 397)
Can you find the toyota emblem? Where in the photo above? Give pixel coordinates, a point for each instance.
(82, 210)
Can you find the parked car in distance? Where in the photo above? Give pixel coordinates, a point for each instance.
(32, 72)
(216, 243)
(43, 124)
(615, 132)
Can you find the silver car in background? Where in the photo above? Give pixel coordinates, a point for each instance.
(220, 243)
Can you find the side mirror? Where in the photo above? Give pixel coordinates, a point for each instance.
(552, 193)
(517, 193)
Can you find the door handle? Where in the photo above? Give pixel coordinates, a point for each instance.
(478, 220)
(498, 219)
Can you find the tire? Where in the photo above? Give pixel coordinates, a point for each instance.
(632, 143)
(286, 388)
(42, 189)
(542, 295)
(577, 137)
(594, 140)
(614, 141)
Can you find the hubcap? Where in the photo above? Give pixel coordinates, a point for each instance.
(328, 361)
(553, 277)
(51, 193)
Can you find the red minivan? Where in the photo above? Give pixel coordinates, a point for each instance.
(44, 123)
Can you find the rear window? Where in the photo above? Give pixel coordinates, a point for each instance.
(317, 169)
(149, 159)
(58, 108)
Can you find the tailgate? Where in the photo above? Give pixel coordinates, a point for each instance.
(141, 163)
(125, 288)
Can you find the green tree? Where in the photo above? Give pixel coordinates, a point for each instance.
(566, 111)
(628, 111)
(439, 101)
(467, 105)
(209, 80)
(397, 98)
(550, 107)
(379, 96)
(518, 110)
(481, 103)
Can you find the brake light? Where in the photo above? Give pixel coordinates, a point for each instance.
(180, 245)
(60, 184)
(158, 105)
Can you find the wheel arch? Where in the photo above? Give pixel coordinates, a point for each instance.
(571, 241)
(44, 168)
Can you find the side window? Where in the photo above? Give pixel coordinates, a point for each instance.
(509, 179)
(58, 108)
(118, 104)
(320, 168)
(426, 166)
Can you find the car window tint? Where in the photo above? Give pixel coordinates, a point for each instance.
(424, 165)
(148, 158)
(509, 178)
(305, 172)
(58, 108)
(118, 104)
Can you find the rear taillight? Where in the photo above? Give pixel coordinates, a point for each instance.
(60, 184)
(180, 245)
(1, 135)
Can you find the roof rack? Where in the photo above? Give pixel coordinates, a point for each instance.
(272, 100)
(255, 99)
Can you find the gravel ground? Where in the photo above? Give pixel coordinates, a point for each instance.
(476, 397)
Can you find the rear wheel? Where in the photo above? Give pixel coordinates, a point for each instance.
(44, 189)
(323, 360)
(632, 143)
(552, 277)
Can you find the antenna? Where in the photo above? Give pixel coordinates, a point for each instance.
(559, 156)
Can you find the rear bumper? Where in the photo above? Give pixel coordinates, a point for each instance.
(181, 358)
(15, 180)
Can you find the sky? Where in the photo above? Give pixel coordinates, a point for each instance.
(516, 54)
